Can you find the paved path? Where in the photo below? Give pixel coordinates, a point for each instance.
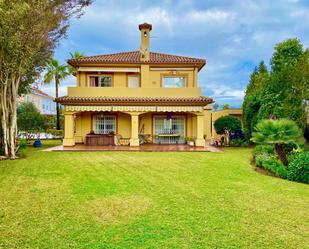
(150, 147)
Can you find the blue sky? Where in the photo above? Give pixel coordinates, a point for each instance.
(233, 36)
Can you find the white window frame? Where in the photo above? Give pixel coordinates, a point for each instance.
(100, 76)
(174, 76)
(101, 128)
(164, 116)
(170, 140)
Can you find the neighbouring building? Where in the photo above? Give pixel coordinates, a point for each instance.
(42, 101)
(136, 96)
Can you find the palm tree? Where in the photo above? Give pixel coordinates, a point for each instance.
(278, 133)
(56, 72)
(74, 55)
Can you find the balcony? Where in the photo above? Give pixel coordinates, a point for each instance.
(134, 92)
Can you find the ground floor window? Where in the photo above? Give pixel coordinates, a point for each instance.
(104, 124)
(169, 129)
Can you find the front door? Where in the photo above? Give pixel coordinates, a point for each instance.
(169, 129)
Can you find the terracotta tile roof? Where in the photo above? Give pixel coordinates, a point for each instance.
(35, 90)
(201, 100)
(134, 57)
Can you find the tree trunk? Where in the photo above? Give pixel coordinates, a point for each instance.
(57, 104)
(4, 116)
(282, 156)
(9, 90)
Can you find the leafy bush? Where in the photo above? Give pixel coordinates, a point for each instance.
(55, 133)
(290, 147)
(29, 119)
(236, 142)
(264, 149)
(272, 164)
(298, 169)
(244, 144)
(22, 144)
(229, 123)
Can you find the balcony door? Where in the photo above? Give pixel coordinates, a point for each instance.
(169, 129)
(133, 81)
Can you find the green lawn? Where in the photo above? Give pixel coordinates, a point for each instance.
(148, 200)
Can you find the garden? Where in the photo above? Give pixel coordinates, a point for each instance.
(147, 200)
(275, 114)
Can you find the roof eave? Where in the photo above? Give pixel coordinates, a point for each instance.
(66, 101)
(78, 64)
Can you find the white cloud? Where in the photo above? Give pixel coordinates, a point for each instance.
(222, 91)
(233, 36)
(211, 16)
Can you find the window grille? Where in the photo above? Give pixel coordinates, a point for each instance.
(104, 124)
(169, 131)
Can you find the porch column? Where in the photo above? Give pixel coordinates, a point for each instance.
(134, 140)
(69, 139)
(200, 141)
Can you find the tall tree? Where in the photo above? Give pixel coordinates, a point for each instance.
(283, 97)
(29, 32)
(29, 119)
(56, 72)
(252, 100)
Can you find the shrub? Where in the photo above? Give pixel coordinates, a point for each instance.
(55, 133)
(238, 135)
(272, 164)
(244, 144)
(236, 142)
(264, 149)
(22, 147)
(298, 169)
(277, 133)
(290, 147)
(229, 123)
(22, 144)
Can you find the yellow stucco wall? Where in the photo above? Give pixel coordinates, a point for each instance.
(124, 125)
(207, 122)
(133, 92)
(150, 83)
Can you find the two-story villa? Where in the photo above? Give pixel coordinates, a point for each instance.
(138, 96)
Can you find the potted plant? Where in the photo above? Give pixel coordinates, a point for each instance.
(190, 141)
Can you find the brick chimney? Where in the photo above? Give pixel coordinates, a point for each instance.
(145, 29)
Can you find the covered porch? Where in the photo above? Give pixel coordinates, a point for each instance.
(135, 124)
